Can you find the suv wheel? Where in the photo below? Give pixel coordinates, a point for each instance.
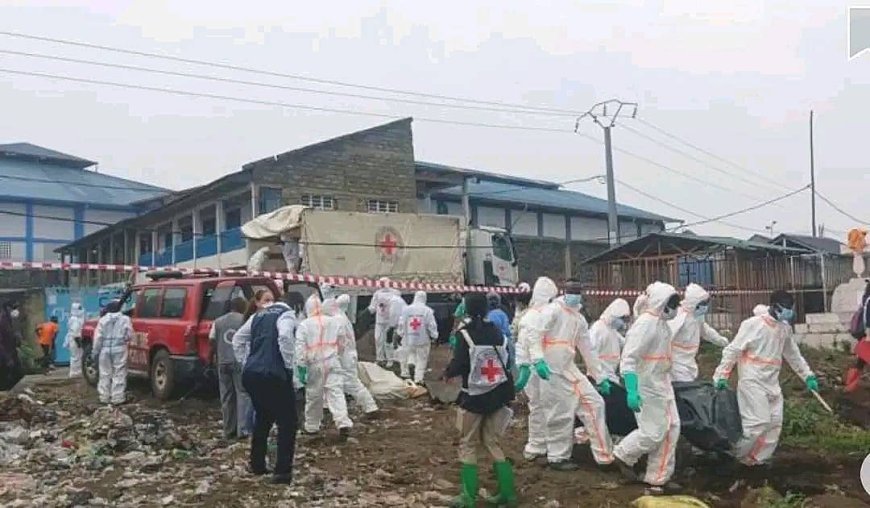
(90, 369)
(162, 376)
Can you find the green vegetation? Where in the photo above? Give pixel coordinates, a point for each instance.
(791, 500)
(807, 425)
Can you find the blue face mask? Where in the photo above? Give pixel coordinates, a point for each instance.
(701, 310)
(785, 315)
(619, 324)
(574, 301)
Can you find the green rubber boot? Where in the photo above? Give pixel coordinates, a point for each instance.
(507, 490)
(470, 485)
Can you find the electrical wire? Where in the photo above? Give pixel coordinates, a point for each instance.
(744, 210)
(280, 87)
(837, 208)
(284, 75)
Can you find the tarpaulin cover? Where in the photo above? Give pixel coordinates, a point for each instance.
(272, 224)
(710, 418)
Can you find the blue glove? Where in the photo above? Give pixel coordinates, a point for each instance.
(812, 383)
(542, 369)
(633, 397)
(722, 384)
(302, 374)
(604, 387)
(523, 377)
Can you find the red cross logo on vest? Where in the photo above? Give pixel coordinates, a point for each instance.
(491, 371)
(416, 324)
(388, 244)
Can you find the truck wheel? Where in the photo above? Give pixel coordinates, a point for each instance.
(162, 376)
(90, 369)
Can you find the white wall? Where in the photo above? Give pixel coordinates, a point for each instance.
(12, 225)
(554, 226)
(586, 228)
(51, 228)
(524, 223)
(103, 216)
(489, 216)
(45, 251)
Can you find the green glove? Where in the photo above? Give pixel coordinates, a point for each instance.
(542, 369)
(604, 387)
(453, 341)
(812, 383)
(633, 398)
(523, 377)
(722, 384)
(302, 374)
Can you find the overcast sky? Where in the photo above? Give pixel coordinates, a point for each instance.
(737, 79)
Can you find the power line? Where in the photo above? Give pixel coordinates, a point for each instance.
(280, 87)
(284, 75)
(187, 93)
(744, 210)
(837, 208)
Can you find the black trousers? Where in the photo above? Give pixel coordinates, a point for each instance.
(47, 356)
(274, 403)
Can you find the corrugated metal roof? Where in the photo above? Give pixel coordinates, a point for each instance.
(817, 244)
(31, 151)
(484, 175)
(547, 198)
(29, 180)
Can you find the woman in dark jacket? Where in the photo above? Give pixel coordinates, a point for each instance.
(480, 359)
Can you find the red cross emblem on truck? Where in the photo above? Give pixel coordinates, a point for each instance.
(388, 244)
(416, 324)
(491, 371)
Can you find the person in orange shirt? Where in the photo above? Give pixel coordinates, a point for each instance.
(45, 334)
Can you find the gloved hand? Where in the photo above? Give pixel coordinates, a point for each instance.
(542, 369)
(453, 341)
(633, 397)
(302, 374)
(721, 384)
(604, 387)
(812, 383)
(523, 377)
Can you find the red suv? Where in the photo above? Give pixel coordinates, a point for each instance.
(172, 316)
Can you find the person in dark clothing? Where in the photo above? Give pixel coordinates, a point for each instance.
(264, 346)
(10, 363)
(480, 359)
(852, 379)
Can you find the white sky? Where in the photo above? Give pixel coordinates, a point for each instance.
(737, 79)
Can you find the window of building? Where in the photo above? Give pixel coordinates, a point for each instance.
(185, 228)
(209, 226)
(318, 202)
(150, 303)
(5, 250)
(270, 199)
(173, 303)
(382, 206)
(233, 218)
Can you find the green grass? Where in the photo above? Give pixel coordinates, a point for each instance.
(790, 500)
(807, 425)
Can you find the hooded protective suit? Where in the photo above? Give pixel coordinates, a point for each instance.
(760, 310)
(73, 340)
(258, 260)
(568, 392)
(688, 328)
(113, 332)
(417, 328)
(293, 253)
(531, 331)
(646, 367)
(758, 350)
(607, 341)
(349, 359)
(387, 306)
(320, 341)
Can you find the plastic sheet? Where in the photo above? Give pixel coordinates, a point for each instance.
(709, 418)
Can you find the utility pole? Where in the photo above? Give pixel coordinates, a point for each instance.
(813, 175)
(598, 114)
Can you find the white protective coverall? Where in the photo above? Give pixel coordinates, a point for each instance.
(113, 332)
(688, 329)
(417, 328)
(533, 326)
(647, 353)
(258, 260)
(293, 252)
(349, 358)
(760, 310)
(758, 350)
(74, 331)
(387, 306)
(568, 392)
(607, 341)
(319, 345)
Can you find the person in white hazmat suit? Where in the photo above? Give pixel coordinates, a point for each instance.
(417, 329)
(73, 339)
(760, 310)
(607, 337)
(319, 345)
(530, 356)
(293, 252)
(646, 374)
(387, 306)
(258, 260)
(759, 347)
(568, 392)
(687, 330)
(113, 332)
(349, 358)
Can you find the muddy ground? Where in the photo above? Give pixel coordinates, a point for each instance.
(75, 453)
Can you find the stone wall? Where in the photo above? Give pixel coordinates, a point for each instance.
(546, 257)
(376, 163)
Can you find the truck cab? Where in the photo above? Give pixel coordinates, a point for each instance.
(491, 257)
(172, 316)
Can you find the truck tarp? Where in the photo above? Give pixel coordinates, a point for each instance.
(271, 225)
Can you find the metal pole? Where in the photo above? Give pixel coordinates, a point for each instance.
(466, 205)
(612, 217)
(824, 282)
(813, 175)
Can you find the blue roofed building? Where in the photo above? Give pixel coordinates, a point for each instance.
(49, 198)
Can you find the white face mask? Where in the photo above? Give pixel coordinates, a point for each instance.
(14, 314)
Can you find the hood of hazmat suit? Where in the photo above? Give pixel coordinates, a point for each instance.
(760, 310)
(343, 302)
(419, 298)
(607, 341)
(417, 324)
(535, 322)
(688, 328)
(258, 260)
(647, 351)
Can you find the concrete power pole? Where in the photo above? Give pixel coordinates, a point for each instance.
(598, 114)
(813, 176)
